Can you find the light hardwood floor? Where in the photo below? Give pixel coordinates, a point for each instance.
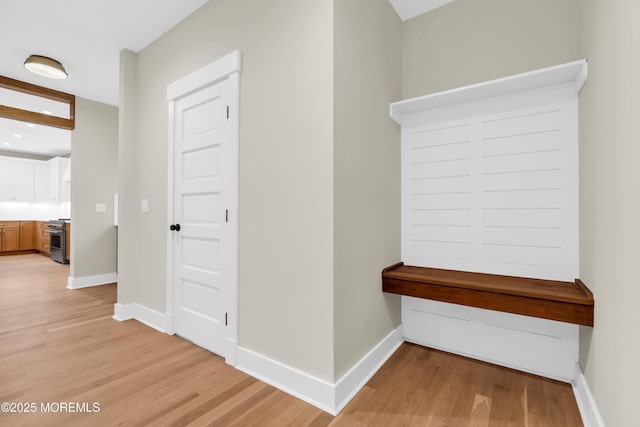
(58, 345)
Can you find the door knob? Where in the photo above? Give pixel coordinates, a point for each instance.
(174, 227)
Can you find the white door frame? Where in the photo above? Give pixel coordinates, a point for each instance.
(227, 67)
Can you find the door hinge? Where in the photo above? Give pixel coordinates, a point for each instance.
(226, 319)
(227, 111)
(226, 215)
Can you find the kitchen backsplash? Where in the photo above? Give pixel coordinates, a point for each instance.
(36, 211)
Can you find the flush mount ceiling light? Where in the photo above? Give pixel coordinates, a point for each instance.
(45, 67)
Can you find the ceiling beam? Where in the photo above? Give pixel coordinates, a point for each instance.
(13, 113)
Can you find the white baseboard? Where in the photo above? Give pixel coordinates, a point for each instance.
(331, 398)
(586, 403)
(538, 346)
(122, 312)
(158, 321)
(308, 388)
(88, 281)
(231, 357)
(352, 382)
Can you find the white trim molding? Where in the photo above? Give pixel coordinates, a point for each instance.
(331, 398)
(573, 74)
(586, 404)
(352, 382)
(315, 391)
(206, 75)
(88, 281)
(227, 67)
(158, 321)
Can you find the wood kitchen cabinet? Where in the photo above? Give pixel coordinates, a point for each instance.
(27, 235)
(9, 236)
(24, 236)
(68, 240)
(37, 238)
(43, 239)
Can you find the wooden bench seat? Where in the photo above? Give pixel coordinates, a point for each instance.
(570, 302)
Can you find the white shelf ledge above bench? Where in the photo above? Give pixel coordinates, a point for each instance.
(572, 72)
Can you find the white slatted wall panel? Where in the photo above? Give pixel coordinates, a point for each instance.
(494, 193)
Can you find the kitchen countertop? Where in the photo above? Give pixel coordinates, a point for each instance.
(30, 220)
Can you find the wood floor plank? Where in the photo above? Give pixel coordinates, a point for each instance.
(480, 412)
(59, 345)
(506, 404)
(466, 399)
(265, 412)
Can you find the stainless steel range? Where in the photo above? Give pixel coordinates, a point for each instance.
(58, 247)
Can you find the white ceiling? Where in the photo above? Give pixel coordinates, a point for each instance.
(86, 37)
(29, 138)
(407, 9)
(35, 139)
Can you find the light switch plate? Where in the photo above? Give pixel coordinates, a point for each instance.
(144, 205)
(101, 207)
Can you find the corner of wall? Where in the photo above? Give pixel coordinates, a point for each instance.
(366, 190)
(127, 190)
(585, 401)
(93, 183)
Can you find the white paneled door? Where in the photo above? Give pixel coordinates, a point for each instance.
(201, 241)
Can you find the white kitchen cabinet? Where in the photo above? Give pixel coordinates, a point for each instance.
(59, 190)
(23, 181)
(16, 180)
(6, 179)
(41, 182)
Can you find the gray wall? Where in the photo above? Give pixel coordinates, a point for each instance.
(609, 231)
(319, 157)
(367, 55)
(94, 168)
(470, 41)
(128, 219)
(286, 176)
